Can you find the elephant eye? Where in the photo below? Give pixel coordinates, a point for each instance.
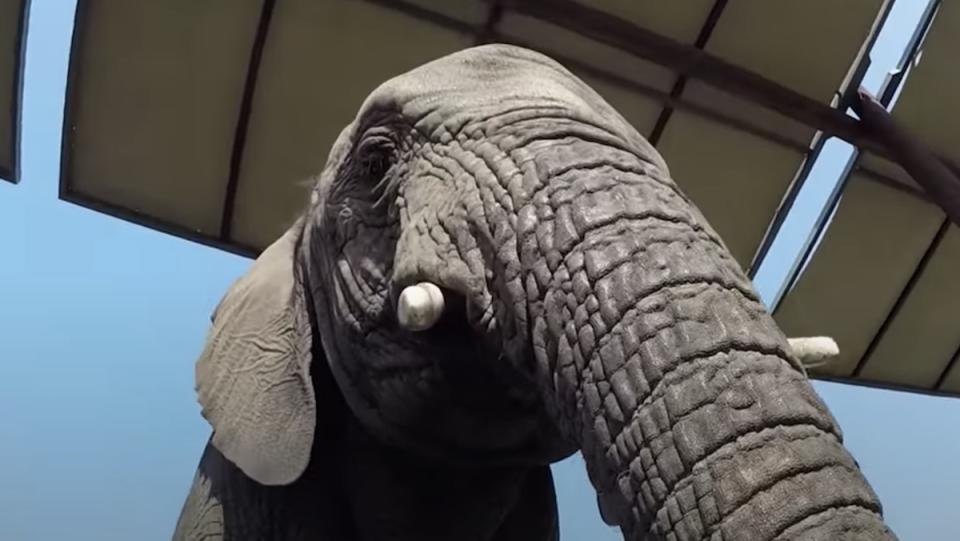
(375, 159)
(374, 150)
(375, 165)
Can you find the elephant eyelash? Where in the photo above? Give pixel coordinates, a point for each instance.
(374, 155)
(386, 190)
(378, 167)
(375, 175)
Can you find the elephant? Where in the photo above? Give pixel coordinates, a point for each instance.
(493, 271)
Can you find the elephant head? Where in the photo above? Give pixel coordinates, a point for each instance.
(496, 268)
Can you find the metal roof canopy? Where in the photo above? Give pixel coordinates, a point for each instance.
(13, 17)
(884, 275)
(212, 136)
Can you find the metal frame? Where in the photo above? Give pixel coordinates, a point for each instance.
(691, 62)
(946, 372)
(891, 85)
(687, 61)
(697, 64)
(850, 83)
(667, 99)
(489, 28)
(221, 241)
(681, 83)
(105, 207)
(887, 92)
(935, 178)
(243, 120)
(16, 111)
(891, 182)
(902, 298)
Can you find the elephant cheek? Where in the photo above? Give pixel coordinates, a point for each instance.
(656, 356)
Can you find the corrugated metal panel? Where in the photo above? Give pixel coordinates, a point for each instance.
(726, 170)
(883, 280)
(295, 112)
(213, 135)
(153, 101)
(317, 68)
(683, 24)
(873, 245)
(927, 105)
(923, 336)
(806, 46)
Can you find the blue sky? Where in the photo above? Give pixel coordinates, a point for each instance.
(101, 321)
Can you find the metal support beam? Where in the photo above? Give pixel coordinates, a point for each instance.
(947, 369)
(858, 69)
(489, 29)
(939, 182)
(690, 62)
(942, 184)
(891, 84)
(678, 86)
(891, 182)
(669, 100)
(243, 120)
(666, 99)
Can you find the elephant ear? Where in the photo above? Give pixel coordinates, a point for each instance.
(253, 377)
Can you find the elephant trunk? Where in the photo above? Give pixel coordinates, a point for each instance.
(657, 357)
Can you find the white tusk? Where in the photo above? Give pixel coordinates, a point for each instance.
(419, 306)
(814, 351)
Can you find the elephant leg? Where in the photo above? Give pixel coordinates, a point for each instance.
(202, 514)
(224, 504)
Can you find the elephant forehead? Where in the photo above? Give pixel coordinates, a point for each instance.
(483, 77)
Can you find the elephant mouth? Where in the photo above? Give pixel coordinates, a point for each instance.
(465, 328)
(451, 329)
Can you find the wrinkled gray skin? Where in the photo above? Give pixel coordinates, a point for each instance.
(589, 307)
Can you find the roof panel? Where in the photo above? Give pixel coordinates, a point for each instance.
(471, 12)
(559, 42)
(640, 111)
(726, 171)
(927, 105)
(790, 58)
(772, 123)
(923, 336)
(303, 101)
(807, 46)
(286, 84)
(910, 342)
(871, 248)
(12, 20)
(887, 168)
(680, 21)
(153, 102)
(951, 383)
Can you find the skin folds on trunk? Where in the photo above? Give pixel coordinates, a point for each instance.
(660, 360)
